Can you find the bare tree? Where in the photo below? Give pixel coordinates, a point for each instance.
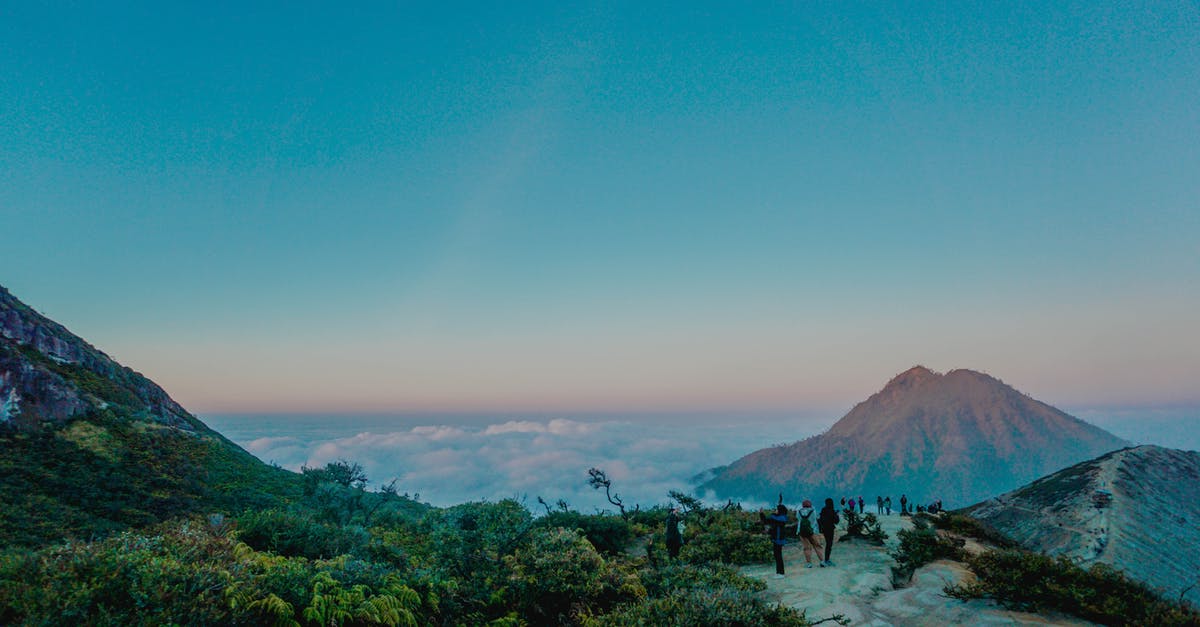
(600, 480)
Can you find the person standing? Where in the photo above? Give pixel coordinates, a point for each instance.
(887, 504)
(903, 505)
(808, 535)
(777, 523)
(879, 505)
(827, 523)
(674, 538)
(861, 506)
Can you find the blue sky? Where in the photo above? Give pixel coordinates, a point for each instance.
(560, 207)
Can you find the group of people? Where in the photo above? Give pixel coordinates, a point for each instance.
(815, 530)
(807, 530)
(882, 505)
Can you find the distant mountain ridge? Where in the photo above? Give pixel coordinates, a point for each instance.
(961, 436)
(1137, 509)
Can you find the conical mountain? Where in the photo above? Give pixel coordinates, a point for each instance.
(960, 436)
(1136, 509)
(88, 446)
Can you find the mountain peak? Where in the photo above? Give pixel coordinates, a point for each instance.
(960, 436)
(915, 374)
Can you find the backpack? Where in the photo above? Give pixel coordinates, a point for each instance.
(806, 529)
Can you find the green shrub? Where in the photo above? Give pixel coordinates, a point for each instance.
(610, 535)
(1035, 582)
(866, 527)
(725, 537)
(696, 608)
(667, 578)
(972, 528)
(299, 535)
(561, 576)
(919, 546)
(172, 577)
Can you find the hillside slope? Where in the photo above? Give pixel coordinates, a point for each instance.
(960, 436)
(1149, 527)
(88, 446)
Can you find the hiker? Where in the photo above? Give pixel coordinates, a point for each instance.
(861, 509)
(808, 536)
(674, 538)
(879, 505)
(887, 504)
(843, 503)
(903, 505)
(827, 523)
(776, 524)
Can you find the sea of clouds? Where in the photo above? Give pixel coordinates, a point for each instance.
(450, 460)
(476, 460)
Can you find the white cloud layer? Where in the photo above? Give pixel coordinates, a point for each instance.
(448, 464)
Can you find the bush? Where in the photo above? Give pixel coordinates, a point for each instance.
(696, 607)
(609, 534)
(663, 580)
(919, 546)
(561, 576)
(299, 535)
(866, 527)
(1034, 582)
(725, 537)
(972, 528)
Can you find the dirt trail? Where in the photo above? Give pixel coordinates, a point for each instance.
(859, 587)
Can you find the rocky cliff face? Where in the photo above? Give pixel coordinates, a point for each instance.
(89, 447)
(48, 374)
(1137, 509)
(960, 436)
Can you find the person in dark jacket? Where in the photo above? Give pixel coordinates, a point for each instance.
(903, 505)
(879, 505)
(674, 538)
(827, 523)
(777, 523)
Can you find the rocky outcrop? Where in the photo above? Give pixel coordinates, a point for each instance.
(1136, 509)
(48, 374)
(960, 436)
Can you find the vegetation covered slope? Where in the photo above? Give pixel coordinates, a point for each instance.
(118, 507)
(960, 437)
(89, 447)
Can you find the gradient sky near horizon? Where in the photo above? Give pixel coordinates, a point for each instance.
(552, 207)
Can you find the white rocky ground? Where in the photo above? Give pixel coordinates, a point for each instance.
(859, 587)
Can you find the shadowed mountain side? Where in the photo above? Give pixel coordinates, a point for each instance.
(960, 437)
(1136, 509)
(89, 447)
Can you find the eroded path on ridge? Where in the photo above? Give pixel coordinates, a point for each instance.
(859, 587)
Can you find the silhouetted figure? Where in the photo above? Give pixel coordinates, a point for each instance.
(861, 506)
(887, 504)
(903, 505)
(674, 538)
(879, 505)
(827, 523)
(777, 523)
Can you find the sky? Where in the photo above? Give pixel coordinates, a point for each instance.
(561, 207)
